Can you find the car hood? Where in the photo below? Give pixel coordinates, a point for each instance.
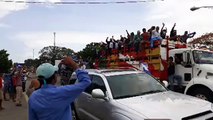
(166, 105)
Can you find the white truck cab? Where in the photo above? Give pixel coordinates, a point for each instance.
(195, 66)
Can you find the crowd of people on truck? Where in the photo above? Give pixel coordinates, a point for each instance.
(146, 39)
(138, 41)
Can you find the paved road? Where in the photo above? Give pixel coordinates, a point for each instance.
(12, 112)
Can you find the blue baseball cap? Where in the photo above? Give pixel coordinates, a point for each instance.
(46, 70)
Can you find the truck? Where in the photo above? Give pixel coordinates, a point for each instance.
(195, 66)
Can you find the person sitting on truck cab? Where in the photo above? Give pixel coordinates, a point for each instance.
(145, 35)
(173, 33)
(171, 75)
(186, 36)
(163, 32)
(155, 35)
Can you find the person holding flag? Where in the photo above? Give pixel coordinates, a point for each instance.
(144, 67)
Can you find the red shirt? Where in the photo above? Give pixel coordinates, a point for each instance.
(14, 78)
(146, 36)
(1, 80)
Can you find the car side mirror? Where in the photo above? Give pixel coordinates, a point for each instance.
(98, 93)
(166, 84)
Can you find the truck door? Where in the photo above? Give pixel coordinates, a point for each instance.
(182, 68)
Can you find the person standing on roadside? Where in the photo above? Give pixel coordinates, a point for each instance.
(7, 81)
(18, 84)
(31, 75)
(171, 75)
(13, 85)
(34, 83)
(51, 102)
(1, 94)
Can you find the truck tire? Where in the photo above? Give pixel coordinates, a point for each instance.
(203, 93)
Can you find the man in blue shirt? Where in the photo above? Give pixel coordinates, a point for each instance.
(51, 102)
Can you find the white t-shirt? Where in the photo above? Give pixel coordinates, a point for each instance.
(155, 34)
(111, 45)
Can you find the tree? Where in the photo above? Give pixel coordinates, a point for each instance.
(90, 53)
(6, 64)
(32, 63)
(51, 53)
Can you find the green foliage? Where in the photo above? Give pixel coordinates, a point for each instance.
(51, 53)
(90, 53)
(6, 64)
(32, 63)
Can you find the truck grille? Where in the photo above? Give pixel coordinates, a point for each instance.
(207, 115)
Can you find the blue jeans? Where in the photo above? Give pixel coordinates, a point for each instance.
(153, 40)
(176, 78)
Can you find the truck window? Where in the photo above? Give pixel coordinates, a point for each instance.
(178, 58)
(97, 83)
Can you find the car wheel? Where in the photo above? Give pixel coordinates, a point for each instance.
(203, 93)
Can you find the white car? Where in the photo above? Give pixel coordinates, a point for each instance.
(132, 95)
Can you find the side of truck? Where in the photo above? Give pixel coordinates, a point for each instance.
(195, 66)
(196, 70)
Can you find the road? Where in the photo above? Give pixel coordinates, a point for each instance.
(12, 112)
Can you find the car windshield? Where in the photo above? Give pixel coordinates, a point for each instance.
(130, 85)
(203, 57)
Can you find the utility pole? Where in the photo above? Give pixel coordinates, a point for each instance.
(54, 33)
(54, 51)
(33, 53)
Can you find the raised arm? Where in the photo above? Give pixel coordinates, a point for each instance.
(162, 27)
(127, 33)
(172, 31)
(107, 39)
(173, 27)
(70, 92)
(191, 35)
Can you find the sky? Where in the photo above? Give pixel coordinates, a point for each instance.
(26, 28)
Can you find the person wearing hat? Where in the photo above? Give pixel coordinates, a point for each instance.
(51, 102)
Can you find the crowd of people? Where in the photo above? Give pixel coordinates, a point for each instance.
(137, 41)
(13, 84)
(45, 98)
(49, 102)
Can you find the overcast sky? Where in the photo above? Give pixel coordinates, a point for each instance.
(25, 27)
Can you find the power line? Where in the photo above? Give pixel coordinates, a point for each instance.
(75, 2)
